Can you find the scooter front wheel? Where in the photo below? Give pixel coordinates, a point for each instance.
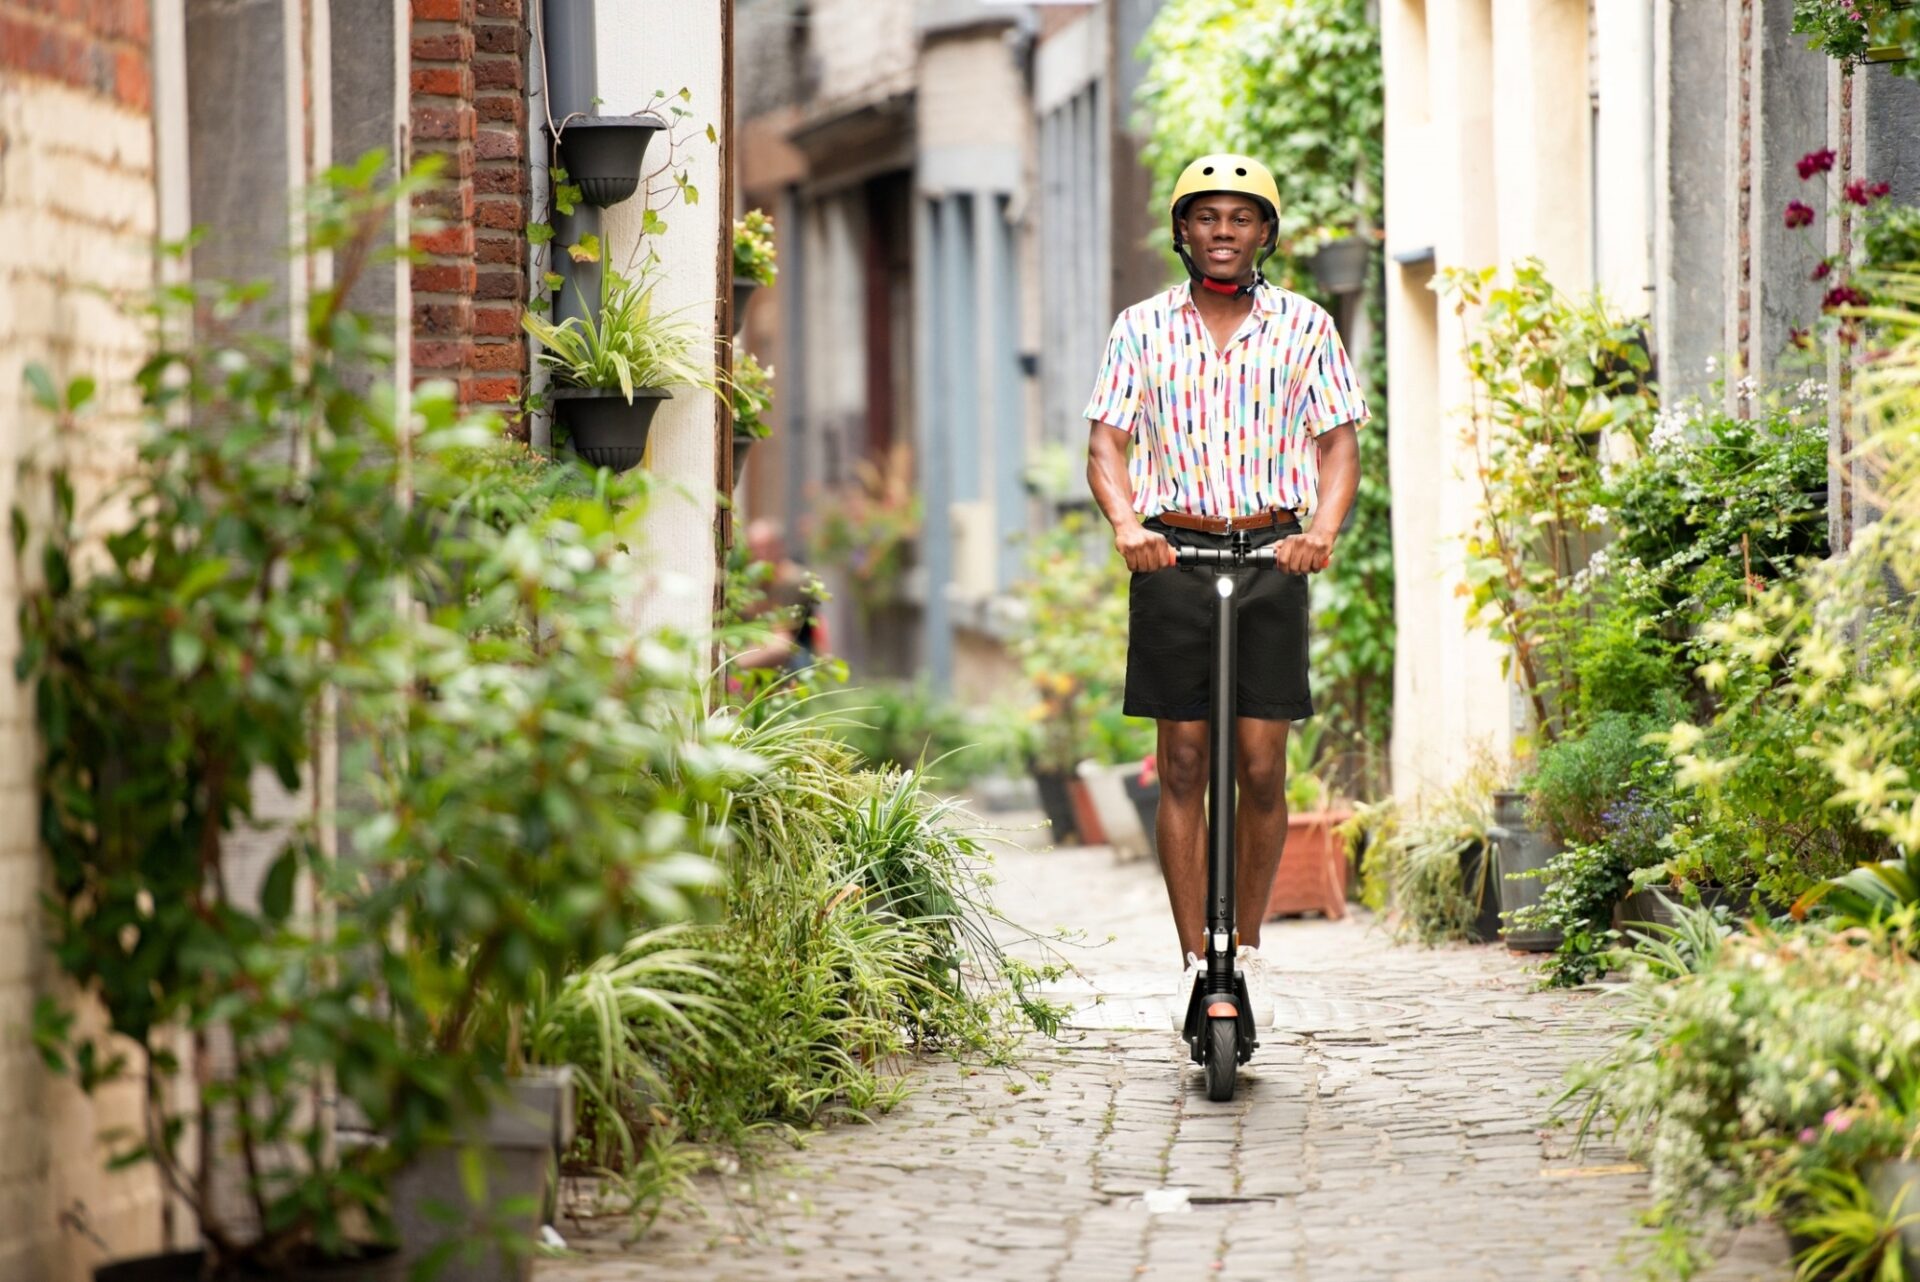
(1223, 1057)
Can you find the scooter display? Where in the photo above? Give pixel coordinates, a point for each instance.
(1219, 1029)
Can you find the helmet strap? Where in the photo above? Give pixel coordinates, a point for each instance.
(1231, 289)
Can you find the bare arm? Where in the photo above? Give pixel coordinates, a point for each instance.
(1140, 547)
(1339, 479)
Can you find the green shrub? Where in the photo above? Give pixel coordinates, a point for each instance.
(1749, 1066)
(1419, 865)
(1577, 779)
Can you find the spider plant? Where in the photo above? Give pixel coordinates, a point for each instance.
(631, 344)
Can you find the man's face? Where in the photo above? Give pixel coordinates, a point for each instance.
(1224, 233)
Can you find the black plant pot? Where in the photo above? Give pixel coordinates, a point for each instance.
(1481, 884)
(602, 154)
(1146, 802)
(1057, 802)
(379, 1264)
(603, 428)
(742, 443)
(743, 287)
(1340, 266)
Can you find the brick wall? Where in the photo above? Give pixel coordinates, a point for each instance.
(77, 217)
(469, 77)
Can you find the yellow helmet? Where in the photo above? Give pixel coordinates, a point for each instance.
(1242, 176)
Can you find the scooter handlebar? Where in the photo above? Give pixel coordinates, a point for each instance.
(1232, 558)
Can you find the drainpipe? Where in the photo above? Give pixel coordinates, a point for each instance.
(572, 81)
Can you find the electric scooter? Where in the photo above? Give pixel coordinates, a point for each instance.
(1219, 1031)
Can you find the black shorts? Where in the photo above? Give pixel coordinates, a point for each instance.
(1170, 636)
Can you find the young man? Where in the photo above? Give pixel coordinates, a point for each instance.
(1237, 405)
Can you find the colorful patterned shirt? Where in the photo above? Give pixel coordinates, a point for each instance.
(1225, 432)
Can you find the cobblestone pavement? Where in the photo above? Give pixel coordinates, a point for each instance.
(1390, 1128)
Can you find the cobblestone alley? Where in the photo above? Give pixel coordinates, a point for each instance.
(1390, 1128)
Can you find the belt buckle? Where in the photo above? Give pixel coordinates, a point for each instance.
(1229, 520)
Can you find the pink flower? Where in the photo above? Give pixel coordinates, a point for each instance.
(1809, 1135)
(1837, 1121)
(1149, 770)
(1815, 162)
(1862, 192)
(1820, 271)
(1799, 214)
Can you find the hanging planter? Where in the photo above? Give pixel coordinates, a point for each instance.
(742, 442)
(743, 287)
(602, 154)
(605, 428)
(1340, 266)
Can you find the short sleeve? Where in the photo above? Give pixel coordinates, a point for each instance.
(1116, 393)
(1330, 394)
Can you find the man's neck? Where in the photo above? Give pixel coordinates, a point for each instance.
(1219, 305)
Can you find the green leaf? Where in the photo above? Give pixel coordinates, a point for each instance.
(45, 394)
(651, 224)
(276, 892)
(553, 280)
(587, 250)
(473, 1173)
(539, 233)
(187, 650)
(79, 391)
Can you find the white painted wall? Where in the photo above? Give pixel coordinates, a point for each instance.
(1624, 154)
(1487, 161)
(646, 45)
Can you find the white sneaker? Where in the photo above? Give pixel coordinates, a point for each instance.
(1259, 986)
(1177, 1008)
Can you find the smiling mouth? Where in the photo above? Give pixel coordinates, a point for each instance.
(1223, 253)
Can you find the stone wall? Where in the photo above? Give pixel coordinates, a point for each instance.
(77, 215)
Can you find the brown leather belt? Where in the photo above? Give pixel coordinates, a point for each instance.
(1227, 524)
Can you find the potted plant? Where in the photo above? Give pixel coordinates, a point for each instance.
(751, 390)
(603, 154)
(1313, 864)
(1340, 263)
(189, 664)
(612, 373)
(753, 261)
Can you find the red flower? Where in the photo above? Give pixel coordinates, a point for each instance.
(1862, 192)
(1843, 296)
(1799, 214)
(1815, 162)
(1821, 269)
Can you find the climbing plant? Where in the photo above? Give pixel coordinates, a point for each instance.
(1299, 86)
(1857, 31)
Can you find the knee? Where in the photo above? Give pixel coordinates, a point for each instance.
(1263, 783)
(1183, 769)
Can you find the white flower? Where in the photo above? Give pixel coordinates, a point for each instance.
(1598, 515)
(1713, 364)
(1539, 454)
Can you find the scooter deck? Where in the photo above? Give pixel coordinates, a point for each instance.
(1195, 1031)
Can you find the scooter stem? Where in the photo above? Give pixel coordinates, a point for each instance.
(1220, 831)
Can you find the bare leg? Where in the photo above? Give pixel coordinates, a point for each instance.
(1260, 819)
(1181, 831)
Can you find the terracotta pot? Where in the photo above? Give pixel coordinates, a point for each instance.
(1313, 867)
(1086, 817)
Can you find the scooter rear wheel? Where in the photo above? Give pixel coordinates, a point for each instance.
(1223, 1057)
